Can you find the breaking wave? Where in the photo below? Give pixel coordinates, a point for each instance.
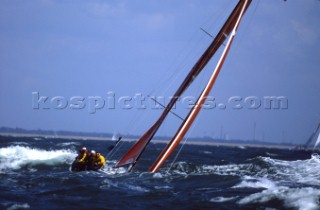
(305, 198)
(18, 157)
(69, 144)
(295, 183)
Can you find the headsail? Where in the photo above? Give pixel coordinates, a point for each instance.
(137, 149)
(317, 142)
(316, 133)
(311, 138)
(195, 110)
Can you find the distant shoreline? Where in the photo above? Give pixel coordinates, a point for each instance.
(190, 142)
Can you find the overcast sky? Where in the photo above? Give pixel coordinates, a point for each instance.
(80, 54)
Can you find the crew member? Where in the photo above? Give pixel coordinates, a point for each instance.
(96, 161)
(81, 161)
(83, 155)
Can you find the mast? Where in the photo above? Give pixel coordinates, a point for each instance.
(195, 110)
(138, 148)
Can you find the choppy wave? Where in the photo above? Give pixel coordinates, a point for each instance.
(19, 206)
(290, 182)
(205, 178)
(296, 183)
(17, 157)
(306, 198)
(20, 143)
(221, 199)
(69, 144)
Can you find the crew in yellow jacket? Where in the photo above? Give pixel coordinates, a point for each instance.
(83, 155)
(96, 161)
(81, 161)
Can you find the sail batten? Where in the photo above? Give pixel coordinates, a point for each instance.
(137, 149)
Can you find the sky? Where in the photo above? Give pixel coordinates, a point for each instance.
(91, 65)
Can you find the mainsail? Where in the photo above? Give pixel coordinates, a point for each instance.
(195, 110)
(137, 149)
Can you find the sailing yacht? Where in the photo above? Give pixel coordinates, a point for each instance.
(227, 32)
(314, 137)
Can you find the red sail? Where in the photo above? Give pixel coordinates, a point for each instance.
(137, 149)
(195, 110)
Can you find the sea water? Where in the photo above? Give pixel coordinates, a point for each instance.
(35, 174)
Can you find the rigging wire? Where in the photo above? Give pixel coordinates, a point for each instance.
(135, 121)
(182, 145)
(182, 64)
(245, 27)
(180, 67)
(177, 70)
(189, 133)
(218, 14)
(131, 127)
(116, 149)
(173, 78)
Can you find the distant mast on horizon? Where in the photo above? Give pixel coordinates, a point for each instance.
(254, 131)
(221, 133)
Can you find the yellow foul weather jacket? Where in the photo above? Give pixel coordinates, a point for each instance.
(83, 157)
(99, 160)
